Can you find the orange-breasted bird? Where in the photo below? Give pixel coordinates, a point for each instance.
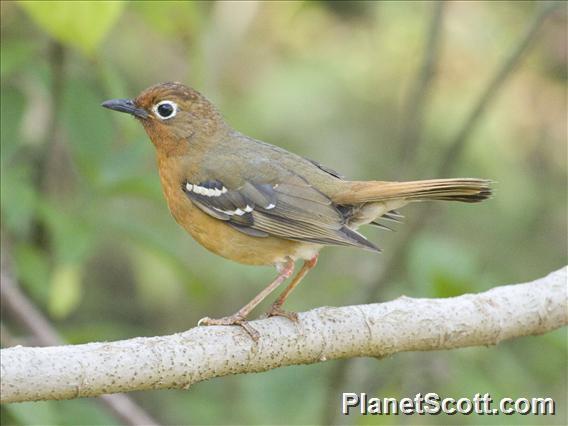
(258, 204)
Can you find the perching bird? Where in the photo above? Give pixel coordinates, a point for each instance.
(259, 204)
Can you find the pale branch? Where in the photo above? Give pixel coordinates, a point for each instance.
(44, 333)
(201, 353)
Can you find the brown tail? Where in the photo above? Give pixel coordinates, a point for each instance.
(468, 190)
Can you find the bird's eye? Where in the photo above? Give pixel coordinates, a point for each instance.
(166, 109)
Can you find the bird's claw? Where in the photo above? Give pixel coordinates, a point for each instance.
(277, 311)
(231, 320)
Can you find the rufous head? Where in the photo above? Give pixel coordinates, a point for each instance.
(172, 113)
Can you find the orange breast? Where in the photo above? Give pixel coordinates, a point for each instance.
(220, 238)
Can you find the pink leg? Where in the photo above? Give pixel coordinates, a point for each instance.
(276, 308)
(239, 318)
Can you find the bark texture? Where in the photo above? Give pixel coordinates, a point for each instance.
(201, 353)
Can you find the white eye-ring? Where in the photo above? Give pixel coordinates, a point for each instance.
(165, 110)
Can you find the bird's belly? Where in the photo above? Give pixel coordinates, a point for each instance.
(218, 237)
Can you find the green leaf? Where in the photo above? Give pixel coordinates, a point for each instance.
(65, 290)
(82, 25)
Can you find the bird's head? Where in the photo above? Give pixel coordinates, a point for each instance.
(173, 115)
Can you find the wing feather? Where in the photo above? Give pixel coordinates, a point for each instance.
(291, 209)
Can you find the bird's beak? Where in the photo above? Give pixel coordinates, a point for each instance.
(125, 105)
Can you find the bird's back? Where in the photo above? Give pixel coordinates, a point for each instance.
(239, 156)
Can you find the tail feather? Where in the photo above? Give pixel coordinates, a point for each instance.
(468, 190)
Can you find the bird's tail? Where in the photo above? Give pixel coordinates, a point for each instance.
(468, 190)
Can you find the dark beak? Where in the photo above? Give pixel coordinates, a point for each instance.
(125, 105)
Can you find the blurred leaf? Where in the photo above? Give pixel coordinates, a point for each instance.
(89, 127)
(65, 290)
(33, 270)
(172, 18)
(78, 24)
(15, 54)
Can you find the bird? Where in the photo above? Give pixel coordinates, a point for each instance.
(258, 204)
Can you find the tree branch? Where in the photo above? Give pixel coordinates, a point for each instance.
(43, 332)
(449, 159)
(458, 143)
(418, 97)
(201, 353)
(495, 84)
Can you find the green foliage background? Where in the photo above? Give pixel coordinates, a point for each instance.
(92, 243)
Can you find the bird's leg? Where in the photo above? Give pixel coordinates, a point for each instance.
(239, 318)
(276, 308)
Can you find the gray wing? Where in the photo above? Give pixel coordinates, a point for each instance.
(326, 169)
(291, 209)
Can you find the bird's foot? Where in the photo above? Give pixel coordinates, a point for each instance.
(235, 319)
(277, 311)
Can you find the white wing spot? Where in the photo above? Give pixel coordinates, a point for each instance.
(208, 192)
(270, 206)
(216, 192)
(237, 212)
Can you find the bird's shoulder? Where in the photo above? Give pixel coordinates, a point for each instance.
(240, 158)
